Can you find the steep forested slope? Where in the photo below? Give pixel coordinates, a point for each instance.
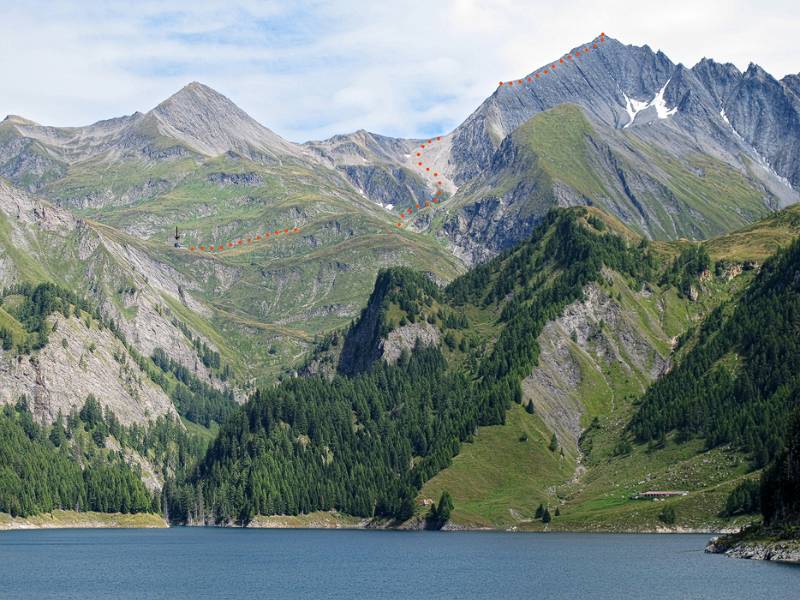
(780, 486)
(740, 381)
(439, 389)
(713, 295)
(38, 472)
(389, 428)
(359, 445)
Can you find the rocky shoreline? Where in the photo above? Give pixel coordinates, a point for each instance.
(757, 544)
(334, 520)
(775, 551)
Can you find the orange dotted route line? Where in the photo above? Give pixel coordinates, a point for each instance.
(428, 169)
(551, 70)
(425, 168)
(248, 241)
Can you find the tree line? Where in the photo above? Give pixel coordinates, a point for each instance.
(194, 399)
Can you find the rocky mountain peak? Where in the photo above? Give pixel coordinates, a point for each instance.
(211, 124)
(793, 83)
(196, 96)
(17, 120)
(755, 71)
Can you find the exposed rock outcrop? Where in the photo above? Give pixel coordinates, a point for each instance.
(406, 337)
(81, 359)
(592, 334)
(781, 551)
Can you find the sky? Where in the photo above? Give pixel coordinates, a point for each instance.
(309, 69)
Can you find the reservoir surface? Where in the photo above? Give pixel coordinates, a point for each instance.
(278, 563)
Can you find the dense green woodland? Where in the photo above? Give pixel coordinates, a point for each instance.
(40, 472)
(780, 484)
(194, 399)
(740, 382)
(364, 441)
(347, 444)
(406, 288)
(67, 465)
(365, 444)
(684, 270)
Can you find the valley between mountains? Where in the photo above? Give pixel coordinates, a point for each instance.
(603, 301)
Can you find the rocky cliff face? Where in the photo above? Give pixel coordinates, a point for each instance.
(561, 158)
(405, 339)
(81, 358)
(42, 242)
(594, 343)
(377, 166)
(659, 135)
(623, 86)
(653, 132)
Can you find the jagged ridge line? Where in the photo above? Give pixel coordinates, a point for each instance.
(420, 163)
(529, 79)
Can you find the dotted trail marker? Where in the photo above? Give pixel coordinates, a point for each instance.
(548, 72)
(425, 169)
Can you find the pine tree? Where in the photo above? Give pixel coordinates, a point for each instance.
(440, 514)
(667, 515)
(445, 507)
(57, 434)
(553, 443)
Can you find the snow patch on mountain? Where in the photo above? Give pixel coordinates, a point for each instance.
(661, 106)
(634, 107)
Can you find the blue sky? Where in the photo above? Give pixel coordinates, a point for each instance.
(309, 69)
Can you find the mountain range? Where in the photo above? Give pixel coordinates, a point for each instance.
(660, 152)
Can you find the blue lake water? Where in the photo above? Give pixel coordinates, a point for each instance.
(226, 563)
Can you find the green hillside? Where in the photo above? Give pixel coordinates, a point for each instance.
(599, 494)
(531, 392)
(260, 305)
(540, 277)
(560, 156)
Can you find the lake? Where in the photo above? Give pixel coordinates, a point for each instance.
(234, 563)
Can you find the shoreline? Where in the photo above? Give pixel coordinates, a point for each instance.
(68, 519)
(758, 543)
(319, 520)
(787, 551)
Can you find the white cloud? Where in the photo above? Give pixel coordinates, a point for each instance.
(311, 69)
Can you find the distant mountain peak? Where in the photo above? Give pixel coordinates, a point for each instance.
(210, 123)
(196, 91)
(198, 98)
(17, 120)
(754, 70)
